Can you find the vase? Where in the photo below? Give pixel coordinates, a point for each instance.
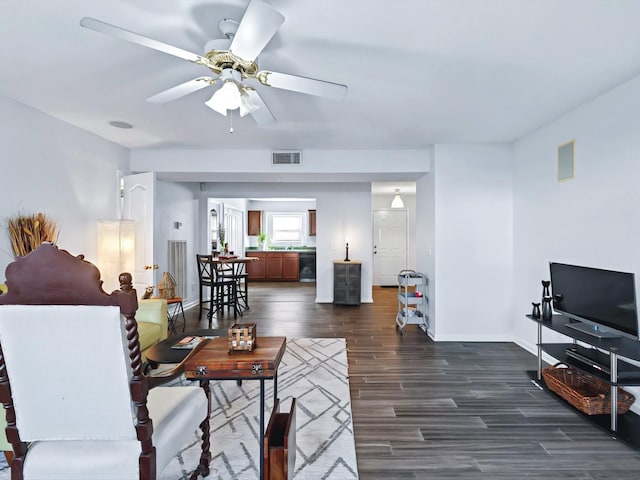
(536, 310)
(546, 308)
(545, 288)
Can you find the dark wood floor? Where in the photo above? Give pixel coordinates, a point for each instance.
(425, 410)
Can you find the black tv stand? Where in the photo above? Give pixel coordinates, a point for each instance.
(589, 357)
(602, 357)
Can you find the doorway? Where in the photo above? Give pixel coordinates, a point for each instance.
(389, 245)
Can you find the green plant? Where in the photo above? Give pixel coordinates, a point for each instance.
(222, 234)
(262, 237)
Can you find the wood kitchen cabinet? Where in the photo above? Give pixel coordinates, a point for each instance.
(312, 223)
(257, 270)
(291, 266)
(254, 222)
(274, 266)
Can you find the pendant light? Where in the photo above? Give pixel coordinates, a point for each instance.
(397, 200)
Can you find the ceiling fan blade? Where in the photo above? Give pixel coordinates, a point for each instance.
(181, 90)
(306, 85)
(258, 25)
(262, 115)
(112, 30)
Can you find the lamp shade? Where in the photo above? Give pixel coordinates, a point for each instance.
(225, 98)
(247, 105)
(397, 200)
(116, 251)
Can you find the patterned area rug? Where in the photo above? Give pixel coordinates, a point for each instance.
(315, 372)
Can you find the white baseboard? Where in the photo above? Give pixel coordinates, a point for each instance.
(324, 300)
(473, 338)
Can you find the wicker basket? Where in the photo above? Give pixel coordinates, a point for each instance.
(585, 392)
(242, 337)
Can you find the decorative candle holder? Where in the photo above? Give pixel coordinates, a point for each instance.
(547, 311)
(346, 257)
(536, 310)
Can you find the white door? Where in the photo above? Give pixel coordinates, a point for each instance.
(389, 245)
(233, 221)
(138, 203)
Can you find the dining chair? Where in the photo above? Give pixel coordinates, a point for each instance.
(78, 406)
(237, 272)
(223, 291)
(205, 278)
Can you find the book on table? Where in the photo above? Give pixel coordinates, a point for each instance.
(190, 341)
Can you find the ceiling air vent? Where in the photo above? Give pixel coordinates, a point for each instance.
(286, 158)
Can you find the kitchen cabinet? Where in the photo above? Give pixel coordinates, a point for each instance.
(274, 266)
(312, 223)
(254, 222)
(290, 266)
(257, 270)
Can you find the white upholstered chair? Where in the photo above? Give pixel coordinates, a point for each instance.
(78, 406)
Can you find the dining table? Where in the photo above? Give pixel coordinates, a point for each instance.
(235, 267)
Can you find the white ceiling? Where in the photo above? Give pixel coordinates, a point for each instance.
(419, 71)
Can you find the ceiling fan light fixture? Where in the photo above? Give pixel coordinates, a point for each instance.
(232, 59)
(247, 105)
(397, 200)
(225, 98)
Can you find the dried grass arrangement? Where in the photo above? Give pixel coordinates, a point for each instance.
(28, 232)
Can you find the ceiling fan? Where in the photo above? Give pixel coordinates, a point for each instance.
(232, 60)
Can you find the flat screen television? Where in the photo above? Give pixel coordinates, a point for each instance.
(599, 302)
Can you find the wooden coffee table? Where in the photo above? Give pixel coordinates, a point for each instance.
(214, 362)
(162, 352)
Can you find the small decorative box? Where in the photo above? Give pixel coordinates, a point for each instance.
(242, 337)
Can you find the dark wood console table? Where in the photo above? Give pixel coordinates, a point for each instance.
(606, 364)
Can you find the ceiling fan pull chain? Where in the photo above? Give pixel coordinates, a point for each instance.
(231, 121)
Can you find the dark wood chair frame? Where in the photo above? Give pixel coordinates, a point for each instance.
(50, 276)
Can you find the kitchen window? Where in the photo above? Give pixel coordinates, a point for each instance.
(285, 228)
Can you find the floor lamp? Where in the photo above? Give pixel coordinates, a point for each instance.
(116, 251)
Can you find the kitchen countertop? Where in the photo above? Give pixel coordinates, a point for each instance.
(282, 250)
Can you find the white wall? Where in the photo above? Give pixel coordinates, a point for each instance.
(425, 240)
(592, 220)
(347, 205)
(343, 214)
(177, 202)
(255, 164)
(52, 167)
(343, 211)
(473, 242)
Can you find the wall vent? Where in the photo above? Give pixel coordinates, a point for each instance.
(178, 265)
(286, 157)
